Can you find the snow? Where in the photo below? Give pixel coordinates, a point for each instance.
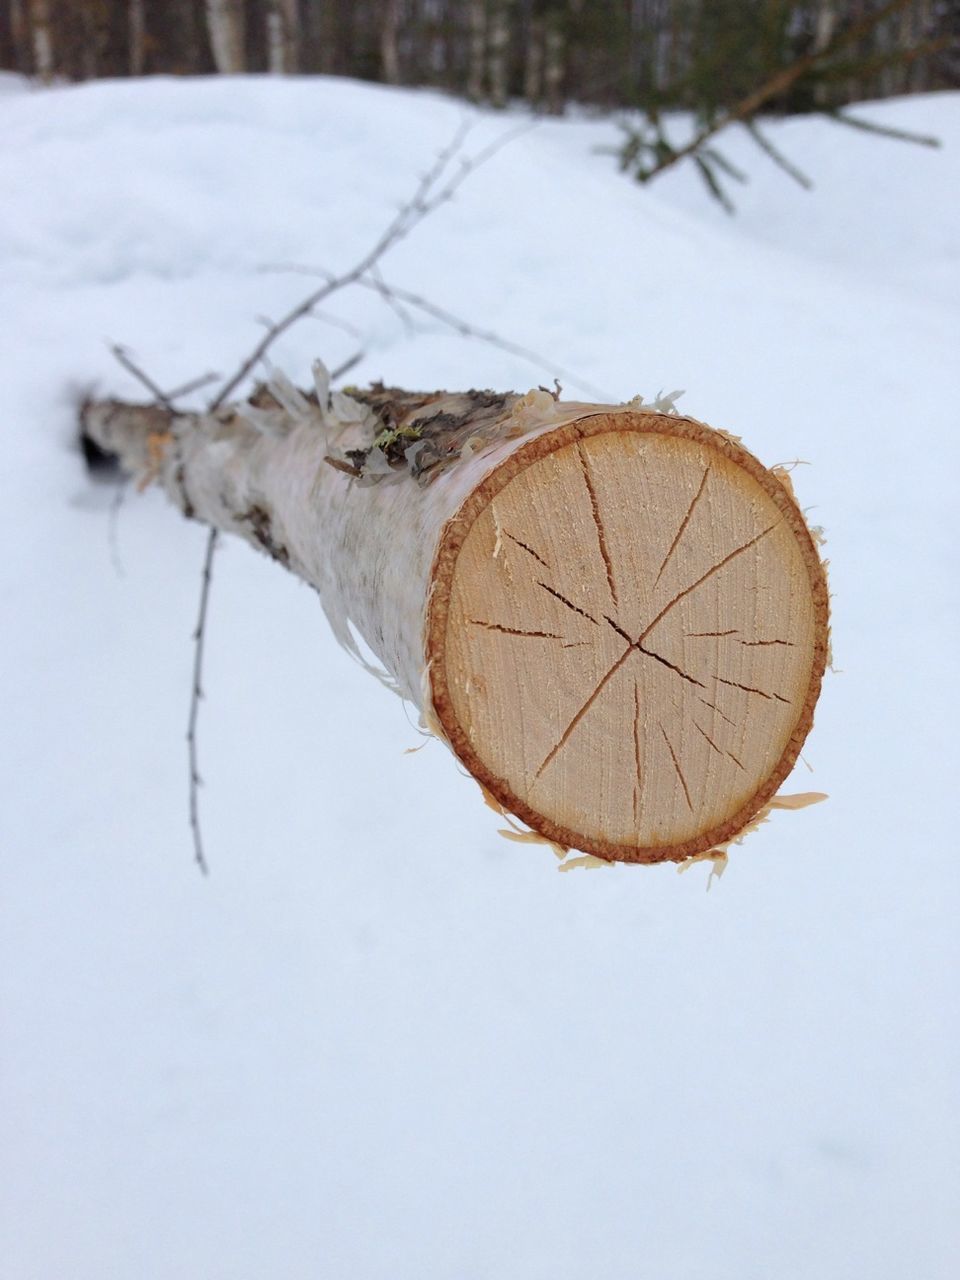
(380, 1041)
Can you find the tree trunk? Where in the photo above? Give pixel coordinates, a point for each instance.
(19, 28)
(94, 37)
(41, 38)
(499, 52)
(477, 49)
(283, 37)
(226, 27)
(136, 31)
(533, 63)
(614, 616)
(389, 50)
(554, 69)
(824, 28)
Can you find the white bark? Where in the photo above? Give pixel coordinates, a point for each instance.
(389, 50)
(41, 36)
(534, 522)
(367, 549)
(825, 24)
(283, 36)
(225, 23)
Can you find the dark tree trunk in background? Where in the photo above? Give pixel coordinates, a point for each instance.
(477, 49)
(656, 54)
(389, 48)
(498, 57)
(137, 29)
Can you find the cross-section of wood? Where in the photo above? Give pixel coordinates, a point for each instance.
(616, 617)
(627, 635)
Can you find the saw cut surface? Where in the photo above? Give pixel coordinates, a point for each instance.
(634, 635)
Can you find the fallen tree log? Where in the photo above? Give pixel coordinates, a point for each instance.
(615, 616)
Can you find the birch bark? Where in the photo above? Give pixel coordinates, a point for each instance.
(41, 38)
(389, 48)
(615, 616)
(283, 37)
(225, 23)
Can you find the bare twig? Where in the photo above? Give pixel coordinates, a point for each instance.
(193, 385)
(777, 156)
(748, 107)
(336, 322)
(398, 299)
(396, 294)
(347, 365)
(430, 193)
(884, 130)
(389, 296)
(113, 521)
(196, 695)
(167, 399)
(123, 356)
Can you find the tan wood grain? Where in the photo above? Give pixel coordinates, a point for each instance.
(634, 635)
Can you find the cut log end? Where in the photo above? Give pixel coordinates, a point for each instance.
(626, 635)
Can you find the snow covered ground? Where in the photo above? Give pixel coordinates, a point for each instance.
(379, 1042)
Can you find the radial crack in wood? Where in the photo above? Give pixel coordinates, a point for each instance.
(667, 747)
(617, 618)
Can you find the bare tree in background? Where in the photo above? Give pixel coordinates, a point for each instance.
(41, 34)
(389, 48)
(670, 54)
(826, 24)
(137, 27)
(225, 23)
(283, 36)
(554, 51)
(499, 52)
(533, 60)
(477, 49)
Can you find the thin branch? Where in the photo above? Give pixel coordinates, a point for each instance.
(166, 398)
(884, 130)
(713, 183)
(347, 365)
(717, 158)
(336, 322)
(123, 356)
(429, 195)
(467, 330)
(777, 156)
(196, 695)
(394, 295)
(389, 296)
(113, 524)
(193, 385)
(777, 84)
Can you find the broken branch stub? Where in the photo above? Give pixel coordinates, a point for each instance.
(615, 616)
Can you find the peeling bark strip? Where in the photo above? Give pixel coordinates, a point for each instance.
(615, 616)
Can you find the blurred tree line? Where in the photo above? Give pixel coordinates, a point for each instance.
(700, 55)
